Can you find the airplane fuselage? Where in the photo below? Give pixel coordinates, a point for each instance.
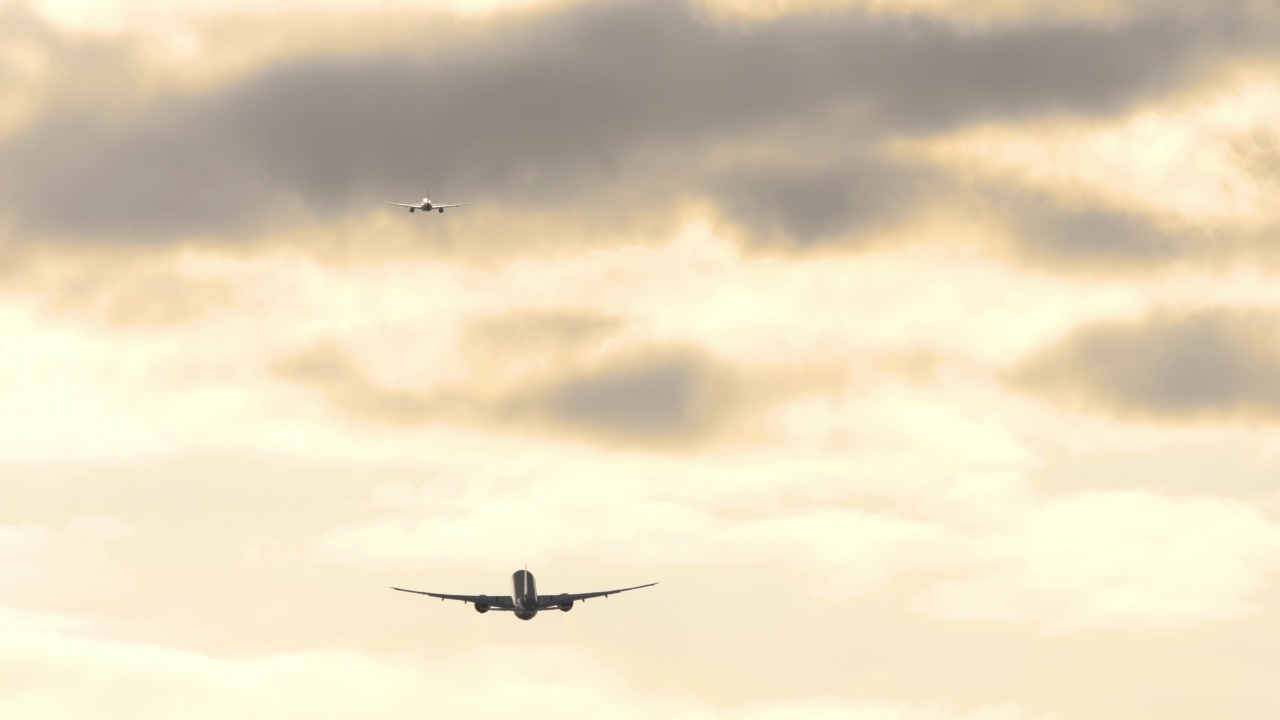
(525, 592)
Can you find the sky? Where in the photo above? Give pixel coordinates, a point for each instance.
(926, 352)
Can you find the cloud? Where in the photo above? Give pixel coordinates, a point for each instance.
(1098, 235)
(1198, 156)
(499, 347)
(334, 371)
(1236, 467)
(158, 16)
(450, 522)
(493, 335)
(1079, 562)
(1167, 366)
(986, 12)
(656, 396)
(1258, 153)
(43, 69)
(566, 105)
(1071, 235)
(146, 681)
(983, 546)
(44, 565)
(121, 289)
(785, 204)
(1130, 560)
(669, 395)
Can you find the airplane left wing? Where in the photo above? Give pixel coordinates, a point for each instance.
(550, 601)
(399, 204)
(495, 602)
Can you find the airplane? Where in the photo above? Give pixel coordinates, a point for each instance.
(426, 205)
(525, 601)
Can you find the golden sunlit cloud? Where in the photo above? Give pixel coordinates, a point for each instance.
(1202, 157)
(161, 16)
(967, 12)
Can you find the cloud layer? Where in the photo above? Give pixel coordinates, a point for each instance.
(886, 336)
(595, 102)
(1167, 366)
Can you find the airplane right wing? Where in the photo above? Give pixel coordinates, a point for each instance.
(495, 602)
(549, 601)
(445, 207)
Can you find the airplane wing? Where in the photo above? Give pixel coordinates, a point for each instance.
(550, 601)
(445, 207)
(495, 602)
(400, 204)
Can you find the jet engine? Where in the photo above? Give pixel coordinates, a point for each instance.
(481, 605)
(565, 603)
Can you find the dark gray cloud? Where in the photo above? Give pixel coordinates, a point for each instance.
(564, 372)
(670, 396)
(1105, 235)
(788, 205)
(569, 108)
(1208, 363)
(665, 397)
(1073, 236)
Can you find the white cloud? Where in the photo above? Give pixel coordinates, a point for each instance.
(67, 677)
(834, 709)
(847, 550)
(1117, 560)
(40, 563)
(1083, 561)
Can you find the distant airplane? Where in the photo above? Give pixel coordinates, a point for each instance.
(426, 205)
(525, 602)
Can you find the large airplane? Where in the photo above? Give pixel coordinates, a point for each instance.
(525, 601)
(426, 205)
